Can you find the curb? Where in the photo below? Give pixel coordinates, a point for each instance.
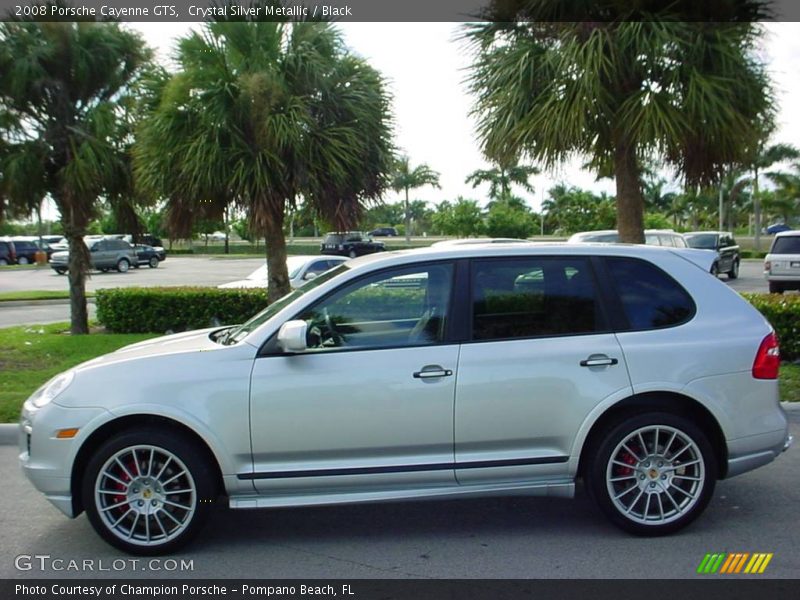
(54, 301)
(9, 434)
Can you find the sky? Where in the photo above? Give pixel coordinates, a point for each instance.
(425, 65)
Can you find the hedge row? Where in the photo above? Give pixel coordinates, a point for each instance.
(783, 313)
(173, 309)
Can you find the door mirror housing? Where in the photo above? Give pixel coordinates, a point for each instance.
(292, 336)
(309, 276)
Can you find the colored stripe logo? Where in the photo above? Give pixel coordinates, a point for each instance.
(734, 563)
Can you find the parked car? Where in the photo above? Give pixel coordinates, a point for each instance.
(777, 228)
(350, 243)
(384, 232)
(105, 254)
(503, 370)
(725, 247)
(301, 269)
(27, 247)
(652, 237)
(8, 252)
(782, 263)
(148, 255)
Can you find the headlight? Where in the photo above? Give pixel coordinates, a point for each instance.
(51, 389)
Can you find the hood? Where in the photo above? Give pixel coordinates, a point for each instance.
(60, 255)
(188, 341)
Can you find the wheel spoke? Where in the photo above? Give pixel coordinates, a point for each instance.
(671, 499)
(123, 467)
(171, 492)
(125, 514)
(683, 491)
(647, 506)
(163, 468)
(682, 465)
(173, 478)
(150, 462)
(630, 489)
(626, 465)
(136, 463)
(687, 478)
(669, 443)
(133, 527)
(171, 516)
(641, 441)
(631, 452)
(620, 478)
(160, 524)
(630, 508)
(117, 479)
(660, 506)
(681, 451)
(117, 505)
(176, 504)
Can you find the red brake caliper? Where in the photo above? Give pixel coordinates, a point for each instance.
(627, 458)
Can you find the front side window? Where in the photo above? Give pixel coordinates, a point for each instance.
(402, 307)
(650, 298)
(532, 297)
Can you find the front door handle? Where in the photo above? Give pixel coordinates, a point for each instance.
(598, 360)
(432, 371)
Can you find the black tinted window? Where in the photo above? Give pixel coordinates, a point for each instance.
(650, 298)
(531, 297)
(786, 245)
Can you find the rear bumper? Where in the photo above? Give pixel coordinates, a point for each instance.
(739, 463)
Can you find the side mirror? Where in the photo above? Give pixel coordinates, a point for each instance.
(309, 276)
(292, 336)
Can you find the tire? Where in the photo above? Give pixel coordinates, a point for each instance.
(104, 269)
(669, 482)
(153, 262)
(123, 265)
(352, 254)
(775, 288)
(3, 262)
(61, 270)
(715, 269)
(23, 260)
(145, 524)
(734, 272)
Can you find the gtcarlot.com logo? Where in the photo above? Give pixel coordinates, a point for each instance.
(732, 563)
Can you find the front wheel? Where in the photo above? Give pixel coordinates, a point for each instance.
(775, 288)
(61, 270)
(652, 474)
(153, 262)
(734, 272)
(23, 260)
(715, 269)
(148, 492)
(123, 265)
(352, 254)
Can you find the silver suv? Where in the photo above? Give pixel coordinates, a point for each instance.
(105, 254)
(441, 372)
(782, 263)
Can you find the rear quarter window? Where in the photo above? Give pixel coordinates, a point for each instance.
(650, 298)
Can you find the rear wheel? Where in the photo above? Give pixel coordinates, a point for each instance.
(61, 270)
(734, 272)
(153, 262)
(653, 474)
(3, 262)
(352, 254)
(123, 265)
(148, 492)
(775, 288)
(23, 260)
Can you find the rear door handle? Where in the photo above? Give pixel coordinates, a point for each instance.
(431, 372)
(598, 360)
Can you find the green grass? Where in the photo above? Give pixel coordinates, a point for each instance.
(790, 382)
(32, 355)
(38, 295)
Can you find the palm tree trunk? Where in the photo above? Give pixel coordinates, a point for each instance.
(78, 269)
(756, 211)
(278, 283)
(408, 221)
(227, 227)
(630, 201)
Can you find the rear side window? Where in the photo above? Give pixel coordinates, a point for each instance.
(650, 298)
(533, 297)
(789, 244)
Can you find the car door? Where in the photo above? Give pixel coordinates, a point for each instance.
(726, 253)
(369, 404)
(540, 358)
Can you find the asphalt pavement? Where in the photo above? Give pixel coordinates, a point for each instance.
(479, 538)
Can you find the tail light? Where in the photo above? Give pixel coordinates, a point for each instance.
(768, 358)
(768, 266)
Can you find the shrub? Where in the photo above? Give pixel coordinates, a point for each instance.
(783, 313)
(159, 310)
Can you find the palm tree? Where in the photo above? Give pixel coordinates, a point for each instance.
(405, 178)
(62, 84)
(765, 157)
(502, 177)
(260, 115)
(608, 81)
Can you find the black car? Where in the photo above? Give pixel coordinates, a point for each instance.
(723, 244)
(8, 252)
(27, 250)
(350, 243)
(147, 255)
(383, 232)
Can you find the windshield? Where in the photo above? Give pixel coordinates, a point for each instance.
(239, 333)
(703, 241)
